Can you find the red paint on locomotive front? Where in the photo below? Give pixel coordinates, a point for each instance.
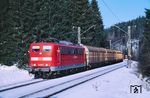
(40, 57)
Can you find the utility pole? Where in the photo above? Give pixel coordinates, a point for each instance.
(128, 43)
(129, 46)
(110, 44)
(79, 35)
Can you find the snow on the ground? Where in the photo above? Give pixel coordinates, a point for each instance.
(51, 82)
(116, 84)
(11, 74)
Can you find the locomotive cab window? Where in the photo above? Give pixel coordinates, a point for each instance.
(46, 48)
(80, 51)
(70, 50)
(35, 48)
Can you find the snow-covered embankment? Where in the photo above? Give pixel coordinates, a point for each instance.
(12, 74)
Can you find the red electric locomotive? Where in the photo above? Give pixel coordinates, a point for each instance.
(55, 57)
(51, 57)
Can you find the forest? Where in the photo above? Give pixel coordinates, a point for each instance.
(140, 30)
(118, 34)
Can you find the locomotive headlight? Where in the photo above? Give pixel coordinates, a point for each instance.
(34, 58)
(47, 58)
(46, 65)
(34, 64)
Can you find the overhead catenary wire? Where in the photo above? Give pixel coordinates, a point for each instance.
(105, 4)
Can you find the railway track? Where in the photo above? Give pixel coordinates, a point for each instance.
(14, 86)
(48, 88)
(55, 89)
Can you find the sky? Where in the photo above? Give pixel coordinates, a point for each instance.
(115, 11)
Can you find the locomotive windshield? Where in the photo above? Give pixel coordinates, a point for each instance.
(46, 48)
(35, 48)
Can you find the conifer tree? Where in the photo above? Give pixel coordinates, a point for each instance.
(145, 49)
(98, 32)
(78, 11)
(9, 37)
(61, 19)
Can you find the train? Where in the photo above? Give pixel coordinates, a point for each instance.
(50, 57)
